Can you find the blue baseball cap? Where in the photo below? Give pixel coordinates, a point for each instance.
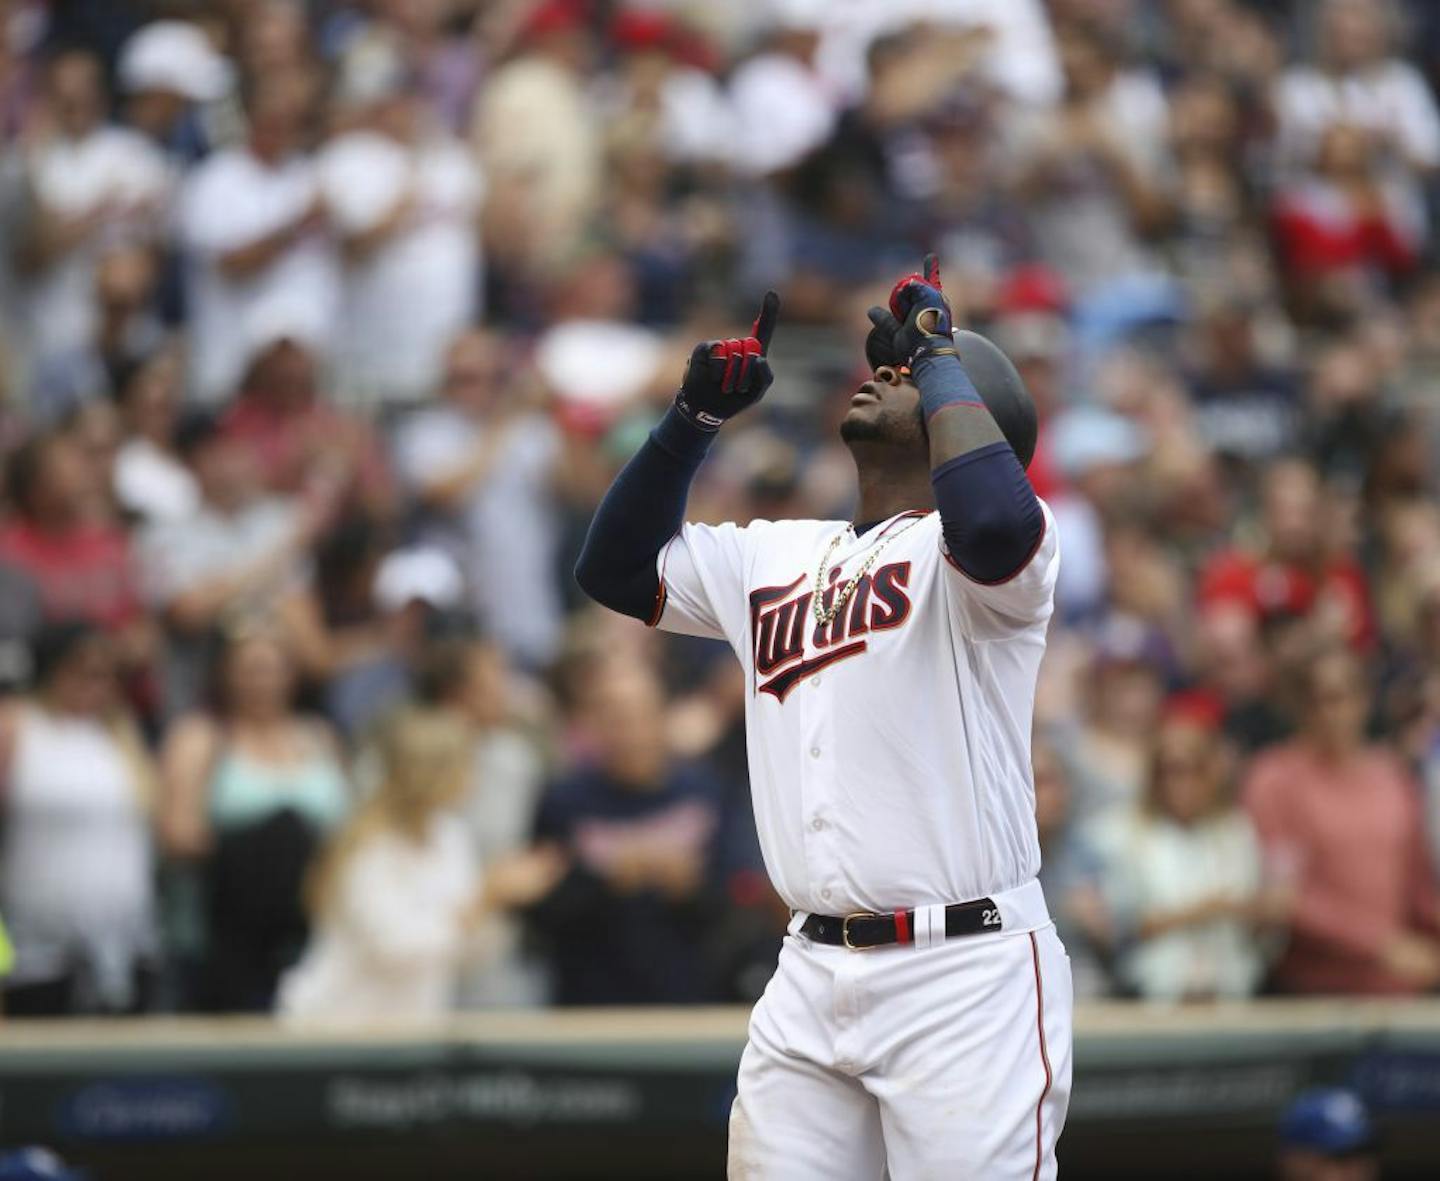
(1329, 1120)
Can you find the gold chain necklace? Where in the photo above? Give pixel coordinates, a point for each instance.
(824, 615)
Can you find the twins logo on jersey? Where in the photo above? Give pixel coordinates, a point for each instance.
(781, 615)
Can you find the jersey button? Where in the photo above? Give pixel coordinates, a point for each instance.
(814, 752)
(814, 680)
(817, 824)
(825, 893)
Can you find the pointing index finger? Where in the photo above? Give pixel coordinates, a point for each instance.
(764, 327)
(930, 268)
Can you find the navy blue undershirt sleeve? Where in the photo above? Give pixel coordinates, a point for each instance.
(989, 514)
(641, 512)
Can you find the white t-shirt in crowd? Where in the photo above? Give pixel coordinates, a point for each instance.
(696, 121)
(1391, 99)
(76, 861)
(405, 302)
(1082, 225)
(179, 553)
(394, 941)
(111, 166)
(889, 749)
(505, 535)
(152, 483)
(1156, 867)
(234, 200)
(783, 111)
(1021, 60)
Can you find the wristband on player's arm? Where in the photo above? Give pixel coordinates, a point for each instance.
(641, 512)
(942, 380)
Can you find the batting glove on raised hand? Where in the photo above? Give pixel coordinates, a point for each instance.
(724, 377)
(917, 323)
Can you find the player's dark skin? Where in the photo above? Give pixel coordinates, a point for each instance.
(894, 452)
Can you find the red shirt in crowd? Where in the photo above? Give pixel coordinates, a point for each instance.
(1353, 836)
(1320, 232)
(1269, 587)
(82, 573)
(285, 445)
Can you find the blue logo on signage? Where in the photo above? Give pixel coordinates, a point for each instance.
(144, 1109)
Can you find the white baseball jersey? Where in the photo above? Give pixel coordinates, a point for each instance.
(889, 750)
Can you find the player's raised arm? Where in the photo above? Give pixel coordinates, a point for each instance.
(991, 517)
(645, 506)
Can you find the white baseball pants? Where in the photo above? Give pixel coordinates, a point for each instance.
(949, 1059)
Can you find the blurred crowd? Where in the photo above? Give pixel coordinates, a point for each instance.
(325, 325)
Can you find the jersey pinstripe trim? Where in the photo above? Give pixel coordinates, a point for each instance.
(1044, 1059)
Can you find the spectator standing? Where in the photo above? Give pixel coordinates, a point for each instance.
(1185, 875)
(239, 555)
(1344, 231)
(1095, 170)
(252, 228)
(399, 899)
(1210, 127)
(507, 773)
(63, 537)
(1356, 81)
(249, 792)
(299, 441)
(628, 923)
(481, 467)
(1237, 670)
(75, 875)
(538, 135)
(171, 73)
(1344, 818)
(405, 196)
(1245, 406)
(1294, 569)
(92, 187)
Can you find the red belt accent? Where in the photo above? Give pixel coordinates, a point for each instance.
(902, 927)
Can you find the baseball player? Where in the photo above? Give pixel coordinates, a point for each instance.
(919, 1018)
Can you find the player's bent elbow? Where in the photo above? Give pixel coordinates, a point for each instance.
(996, 544)
(591, 577)
(631, 593)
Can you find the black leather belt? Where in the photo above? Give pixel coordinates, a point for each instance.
(863, 930)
